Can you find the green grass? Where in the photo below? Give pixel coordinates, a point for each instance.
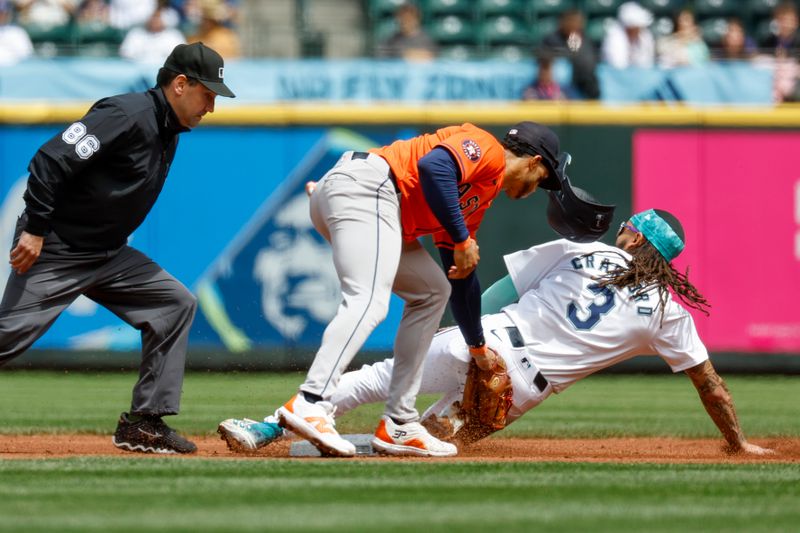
(601, 406)
(145, 493)
(200, 495)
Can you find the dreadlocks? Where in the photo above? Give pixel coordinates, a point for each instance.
(647, 270)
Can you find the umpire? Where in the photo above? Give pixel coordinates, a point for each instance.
(89, 188)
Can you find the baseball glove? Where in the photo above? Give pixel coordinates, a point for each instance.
(487, 397)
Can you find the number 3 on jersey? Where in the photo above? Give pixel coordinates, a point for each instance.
(595, 310)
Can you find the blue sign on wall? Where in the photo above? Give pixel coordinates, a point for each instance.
(232, 224)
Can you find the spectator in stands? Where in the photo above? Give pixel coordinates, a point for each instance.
(410, 42)
(126, 14)
(628, 41)
(46, 13)
(685, 45)
(570, 41)
(94, 12)
(544, 87)
(15, 45)
(190, 15)
(735, 45)
(785, 41)
(213, 30)
(784, 46)
(154, 42)
(190, 12)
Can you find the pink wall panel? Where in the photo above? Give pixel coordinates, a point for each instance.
(737, 195)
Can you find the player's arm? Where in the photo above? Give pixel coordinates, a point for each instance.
(465, 302)
(500, 294)
(439, 175)
(719, 404)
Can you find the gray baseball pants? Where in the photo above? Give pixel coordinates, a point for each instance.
(356, 208)
(126, 282)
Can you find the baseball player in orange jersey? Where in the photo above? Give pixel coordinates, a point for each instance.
(372, 207)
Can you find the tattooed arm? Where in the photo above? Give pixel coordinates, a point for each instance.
(719, 404)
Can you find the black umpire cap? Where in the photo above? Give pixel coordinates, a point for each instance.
(573, 213)
(200, 62)
(536, 139)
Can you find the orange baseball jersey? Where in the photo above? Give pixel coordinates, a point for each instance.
(481, 160)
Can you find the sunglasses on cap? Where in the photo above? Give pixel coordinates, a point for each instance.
(624, 225)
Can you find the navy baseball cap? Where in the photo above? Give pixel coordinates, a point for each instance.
(536, 139)
(200, 62)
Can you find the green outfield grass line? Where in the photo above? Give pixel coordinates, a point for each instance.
(118, 495)
(600, 406)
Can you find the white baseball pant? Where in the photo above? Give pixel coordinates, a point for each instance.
(445, 372)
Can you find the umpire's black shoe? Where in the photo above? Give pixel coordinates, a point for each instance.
(149, 434)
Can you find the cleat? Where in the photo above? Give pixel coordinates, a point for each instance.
(246, 435)
(149, 435)
(409, 439)
(314, 422)
(445, 425)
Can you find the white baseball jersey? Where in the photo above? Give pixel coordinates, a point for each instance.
(573, 328)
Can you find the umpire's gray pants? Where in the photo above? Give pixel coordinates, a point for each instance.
(355, 207)
(126, 282)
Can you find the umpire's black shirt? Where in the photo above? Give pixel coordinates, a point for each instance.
(94, 183)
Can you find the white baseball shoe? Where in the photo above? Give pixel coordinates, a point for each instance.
(409, 439)
(246, 435)
(314, 422)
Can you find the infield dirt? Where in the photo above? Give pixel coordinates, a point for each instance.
(610, 450)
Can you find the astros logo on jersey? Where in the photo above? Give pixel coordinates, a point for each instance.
(471, 149)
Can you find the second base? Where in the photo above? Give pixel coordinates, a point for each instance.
(362, 442)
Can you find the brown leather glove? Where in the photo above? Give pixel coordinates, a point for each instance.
(487, 396)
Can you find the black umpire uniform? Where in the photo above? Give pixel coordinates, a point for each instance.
(89, 188)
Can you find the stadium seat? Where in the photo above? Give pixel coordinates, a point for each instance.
(99, 49)
(595, 8)
(763, 31)
(384, 8)
(54, 34)
(713, 29)
(452, 29)
(504, 30)
(543, 26)
(715, 8)
(86, 33)
(662, 26)
(49, 41)
(541, 8)
(383, 29)
(440, 8)
(596, 28)
(761, 8)
(458, 52)
(663, 7)
(511, 8)
(509, 53)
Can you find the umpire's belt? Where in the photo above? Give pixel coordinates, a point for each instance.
(367, 155)
(516, 340)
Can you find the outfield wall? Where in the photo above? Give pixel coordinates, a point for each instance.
(232, 221)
